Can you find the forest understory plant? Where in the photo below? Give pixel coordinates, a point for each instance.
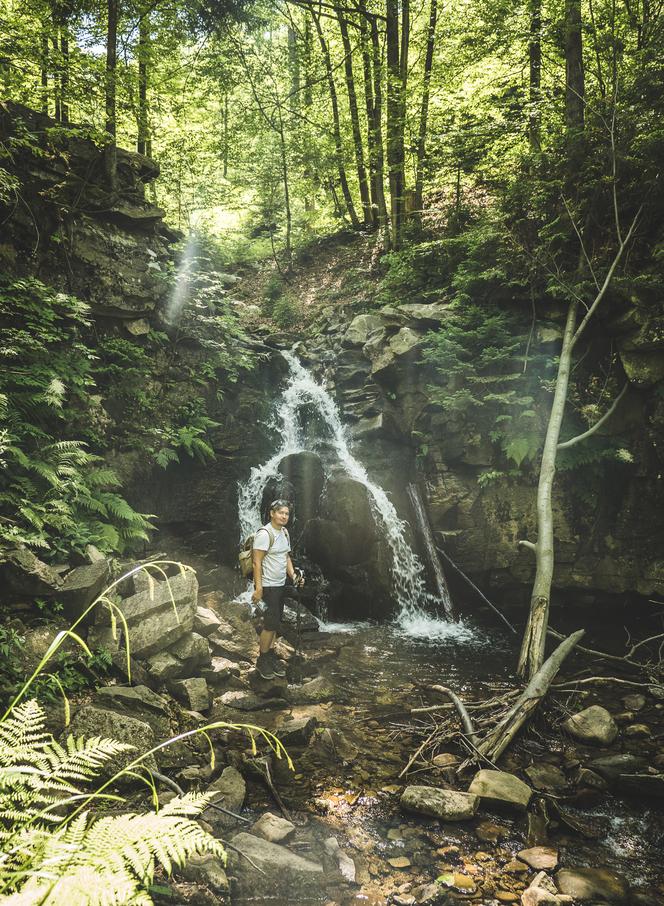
(65, 839)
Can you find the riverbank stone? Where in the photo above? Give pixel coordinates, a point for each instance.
(501, 788)
(228, 790)
(208, 870)
(588, 885)
(610, 767)
(543, 892)
(193, 693)
(283, 873)
(92, 721)
(593, 725)
(273, 828)
(541, 858)
(448, 805)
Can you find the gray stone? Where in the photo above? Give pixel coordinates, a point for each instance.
(500, 788)
(344, 862)
(138, 698)
(546, 777)
(313, 692)
(612, 766)
(205, 621)
(542, 892)
(82, 585)
(164, 666)
(273, 828)
(193, 651)
(91, 721)
(448, 805)
(154, 623)
(283, 873)
(208, 870)
(587, 885)
(541, 858)
(361, 328)
(297, 732)
(192, 692)
(229, 791)
(434, 313)
(244, 700)
(102, 637)
(592, 725)
(330, 747)
(22, 573)
(634, 702)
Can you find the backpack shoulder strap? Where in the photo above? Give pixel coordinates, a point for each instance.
(270, 535)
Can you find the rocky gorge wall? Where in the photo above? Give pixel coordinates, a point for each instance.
(609, 519)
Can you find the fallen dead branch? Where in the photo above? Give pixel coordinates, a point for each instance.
(495, 743)
(463, 713)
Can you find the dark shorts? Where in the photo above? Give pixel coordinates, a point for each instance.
(273, 599)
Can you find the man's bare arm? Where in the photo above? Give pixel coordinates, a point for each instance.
(258, 575)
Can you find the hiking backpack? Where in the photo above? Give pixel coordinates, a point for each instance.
(246, 555)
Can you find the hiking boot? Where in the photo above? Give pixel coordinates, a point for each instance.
(276, 664)
(264, 666)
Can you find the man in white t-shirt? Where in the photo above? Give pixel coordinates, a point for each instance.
(272, 565)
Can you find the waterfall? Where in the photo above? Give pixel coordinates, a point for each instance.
(407, 570)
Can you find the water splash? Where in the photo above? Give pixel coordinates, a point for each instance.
(406, 569)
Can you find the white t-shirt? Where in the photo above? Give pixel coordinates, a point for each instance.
(275, 560)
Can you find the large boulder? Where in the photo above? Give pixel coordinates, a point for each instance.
(592, 725)
(139, 702)
(193, 651)
(283, 873)
(193, 693)
(362, 328)
(346, 530)
(273, 828)
(501, 788)
(24, 574)
(159, 615)
(593, 885)
(304, 473)
(92, 720)
(449, 805)
(82, 585)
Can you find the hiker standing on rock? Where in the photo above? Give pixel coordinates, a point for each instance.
(272, 566)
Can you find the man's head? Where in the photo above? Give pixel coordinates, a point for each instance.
(279, 512)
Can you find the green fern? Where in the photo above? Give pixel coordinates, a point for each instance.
(50, 858)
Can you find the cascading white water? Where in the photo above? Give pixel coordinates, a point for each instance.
(407, 572)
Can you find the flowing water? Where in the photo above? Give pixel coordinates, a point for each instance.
(302, 391)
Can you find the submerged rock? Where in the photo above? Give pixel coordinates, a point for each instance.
(592, 725)
(448, 805)
(273, 828)
(206, 869)
(587, 885)
(541, 858)
(499, 787)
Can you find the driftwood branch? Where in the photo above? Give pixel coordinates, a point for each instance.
(564, 445)
(504, 732)
(467, 723)
(528, 545)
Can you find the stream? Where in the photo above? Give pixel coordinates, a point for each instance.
(348, 778)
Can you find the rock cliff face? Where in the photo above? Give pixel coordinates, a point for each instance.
(609, 537)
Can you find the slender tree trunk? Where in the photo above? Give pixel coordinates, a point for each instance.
(534, 639)
(424, 110)
(225, 133)
(308, 100)
(44, 72)
(369, 107)
(64, 72)
(288, 249)
(110, 155)
(397, 68)
(378, 126)
(355, 118)
(535, 60)
(56, 73)
(144, 39)
(574, 69)
(338, 144)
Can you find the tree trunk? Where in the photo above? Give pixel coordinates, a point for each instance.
(44, 72)
(110, 152)
(397, 59)
(535, 60)
(308, 100)
(56, 73)
(144, 36)
(225, 133)
(338, 144)
(532, 648)
(378, 126)
(574, 70)
(424, 110)
(369, 107)
(355, 118)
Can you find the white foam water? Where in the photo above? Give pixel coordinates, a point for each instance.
(406, 569)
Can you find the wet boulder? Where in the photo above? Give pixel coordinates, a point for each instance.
(208, 870)
(304, 473)
(228, 791)
(448, 805)
(593, 885)
(273, 828)
(283, 873)
(592, 725)
(501, 788)
(346, 530)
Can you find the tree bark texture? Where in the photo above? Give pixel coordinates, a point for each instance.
(143, 140)
(110, 152)
(532, 648)
(378, 124)
(424, 110)
(355, 118)
(574, 69)
(397, 54)
(336, 127)
(535, 63)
